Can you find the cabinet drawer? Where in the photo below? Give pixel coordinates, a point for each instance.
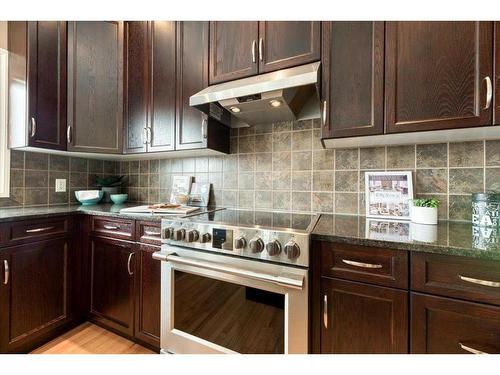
(460, 277)
(149, 232)
(114, 228)
(37, 229)
(446, 326)
(362, 263)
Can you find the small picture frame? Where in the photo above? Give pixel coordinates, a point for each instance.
(388, 194)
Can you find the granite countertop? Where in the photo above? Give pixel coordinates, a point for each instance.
(447, 237)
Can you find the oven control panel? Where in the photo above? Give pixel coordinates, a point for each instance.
(277, 246)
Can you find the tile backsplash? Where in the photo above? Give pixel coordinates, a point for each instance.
(282, 167)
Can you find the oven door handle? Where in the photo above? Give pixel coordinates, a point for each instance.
(294, 283)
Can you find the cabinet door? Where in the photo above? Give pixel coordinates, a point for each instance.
(233, 50)
(95, 86)
(353, 78)
(47, 85)
(147, 305)
(437, 75)
(283, 44)
(192, 76)
(137, 102)
(112, 270)
(34, 293)
(447, 326)
(162, 102)
(363, 319)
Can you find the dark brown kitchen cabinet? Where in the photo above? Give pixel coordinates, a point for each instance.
(447, 326)
(95, 86)
(151, 86)
(147, 303)
(353, 78)
(438, 75)
(362, 319)
(193, 129)
(38, 62)
(233, 50)
(112, 276)
(284, 44)
(35, 293)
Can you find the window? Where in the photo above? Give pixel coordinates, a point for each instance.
(4, 152)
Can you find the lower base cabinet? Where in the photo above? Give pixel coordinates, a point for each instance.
(35, 294)
(112, 276)
(358, 318)
(147, 302)
(448, 326)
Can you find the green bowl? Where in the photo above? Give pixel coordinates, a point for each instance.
(118, 198)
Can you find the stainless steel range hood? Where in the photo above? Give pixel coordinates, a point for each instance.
(288, 94)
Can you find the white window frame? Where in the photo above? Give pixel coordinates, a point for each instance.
(4, 150)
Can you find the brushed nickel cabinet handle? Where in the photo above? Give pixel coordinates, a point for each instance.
(110, 227)
(493, 284)
(37, 230)
(325, 311)
(324, 113)
(129, 261)
(68, 134)
(6, 272)
(254, 46)
(361, 264)
(149, 135)
(470, 350)
(151, 233)
(261, 49)
(33, 127)
(145, 135)
(489, 92)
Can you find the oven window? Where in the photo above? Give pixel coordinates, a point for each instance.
(239, 318)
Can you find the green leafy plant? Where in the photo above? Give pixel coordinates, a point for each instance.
(109, 181)
(432, 202)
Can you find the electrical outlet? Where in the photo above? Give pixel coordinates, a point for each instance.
(60, 185)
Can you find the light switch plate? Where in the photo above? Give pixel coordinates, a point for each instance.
(60, 185)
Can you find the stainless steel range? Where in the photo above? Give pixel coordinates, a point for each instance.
(235, 281)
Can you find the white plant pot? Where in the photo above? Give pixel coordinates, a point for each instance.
(424, 215)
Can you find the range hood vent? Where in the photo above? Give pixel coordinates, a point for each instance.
(284, 95)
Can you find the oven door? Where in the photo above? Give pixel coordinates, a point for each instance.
(214, 303)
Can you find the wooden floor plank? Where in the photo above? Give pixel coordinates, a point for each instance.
(91, 339)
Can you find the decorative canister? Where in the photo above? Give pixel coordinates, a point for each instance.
(486, 209)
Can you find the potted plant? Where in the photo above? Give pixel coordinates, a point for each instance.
(424, 211)
(109, 185)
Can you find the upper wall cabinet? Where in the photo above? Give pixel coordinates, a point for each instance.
(193, 129)
(243, 49)
(95, 86)
(151, 86)
(353, 78)
(37, 73)
(439, 75)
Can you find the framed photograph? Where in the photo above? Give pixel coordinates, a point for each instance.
(388, 194)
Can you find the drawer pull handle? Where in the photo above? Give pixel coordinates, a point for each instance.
(6, 272)
(360, 264)
(39, 230)
(470, 350)
(493, 284)
(151, 233)
(111, 227)
(325, 311)
(129, 261)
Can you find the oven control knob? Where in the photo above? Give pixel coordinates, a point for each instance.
(240, 243)
(292, 250)
(256, 245)
(167, 233)
(192, 235)
(273, 247)
(179, 234)
(205, 237)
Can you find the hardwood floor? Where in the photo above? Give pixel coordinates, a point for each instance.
(91, 339)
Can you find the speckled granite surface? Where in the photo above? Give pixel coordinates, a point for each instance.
(448, 237)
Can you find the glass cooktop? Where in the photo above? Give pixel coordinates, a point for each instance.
(265, 219)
